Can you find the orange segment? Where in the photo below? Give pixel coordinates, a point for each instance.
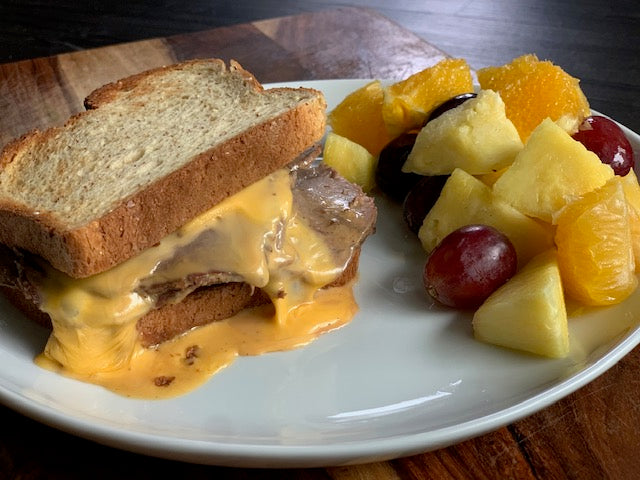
(359, 118)
(408, 102)
(632, 193)
(595, 252)
(533, 90)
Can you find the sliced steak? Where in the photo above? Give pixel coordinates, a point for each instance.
(336, 209)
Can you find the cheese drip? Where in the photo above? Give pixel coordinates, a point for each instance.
(185, 362)
(257, 236)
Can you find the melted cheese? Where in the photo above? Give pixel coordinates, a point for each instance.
(186, 362)
(254, 234)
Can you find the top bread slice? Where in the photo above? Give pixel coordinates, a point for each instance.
(151, 152)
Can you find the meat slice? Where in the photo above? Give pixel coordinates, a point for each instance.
(336, 209)
(20, 272)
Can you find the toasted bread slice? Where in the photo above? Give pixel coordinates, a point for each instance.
(165, 144)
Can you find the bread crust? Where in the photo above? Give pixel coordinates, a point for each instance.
(132, 226)
(109, 91)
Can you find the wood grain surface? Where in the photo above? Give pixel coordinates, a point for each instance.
(40, 92)
(589, 434)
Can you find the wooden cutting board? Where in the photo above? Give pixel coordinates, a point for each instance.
(43, 92)
(589, 434)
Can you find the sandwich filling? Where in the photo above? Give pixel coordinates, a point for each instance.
(289, 235)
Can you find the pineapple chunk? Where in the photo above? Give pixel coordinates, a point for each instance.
(352, 161)
(490, 178)
(528, 312)
(476, 137)
(465, 200)
(549, 172)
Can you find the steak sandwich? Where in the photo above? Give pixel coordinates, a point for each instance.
(186, 196)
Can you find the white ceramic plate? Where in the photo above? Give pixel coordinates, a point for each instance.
(402, 378)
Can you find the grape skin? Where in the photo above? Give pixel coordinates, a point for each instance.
(420, 199)
(468, 265)
(389, 175)
(607, 140)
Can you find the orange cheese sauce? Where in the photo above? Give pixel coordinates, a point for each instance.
(179, 366)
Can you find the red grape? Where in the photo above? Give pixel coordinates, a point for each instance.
(389, 175)
(468, 265)
(607, 140)
(420, 199)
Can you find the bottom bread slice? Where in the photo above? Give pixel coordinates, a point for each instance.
(203, 306)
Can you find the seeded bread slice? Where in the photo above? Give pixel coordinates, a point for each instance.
(151, 152)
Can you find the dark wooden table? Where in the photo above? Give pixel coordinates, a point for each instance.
(589, 434)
